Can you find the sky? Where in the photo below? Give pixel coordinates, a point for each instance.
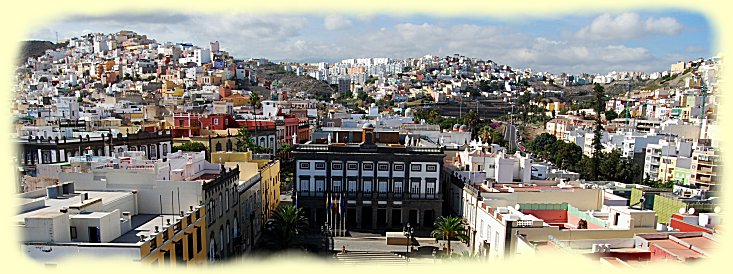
(646, 41)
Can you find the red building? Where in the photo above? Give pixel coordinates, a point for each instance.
(288, 130)
(190, 124)
(304, 131)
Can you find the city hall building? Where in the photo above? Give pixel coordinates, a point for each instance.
(386, 178)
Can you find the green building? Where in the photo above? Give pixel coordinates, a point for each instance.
(648, 193)
(666, 204)
(682, 175)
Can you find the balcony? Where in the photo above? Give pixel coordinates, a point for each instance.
(706, 171)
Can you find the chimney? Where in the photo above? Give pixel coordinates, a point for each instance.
(126, 215)
(84, 196)
(52, 192)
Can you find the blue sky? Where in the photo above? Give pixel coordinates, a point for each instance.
(594, 43)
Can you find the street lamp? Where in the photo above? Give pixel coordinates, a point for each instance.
(407, 231)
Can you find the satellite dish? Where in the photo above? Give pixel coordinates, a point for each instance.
(716, 209)
(691, 210)
(682, 210)
(516, 206)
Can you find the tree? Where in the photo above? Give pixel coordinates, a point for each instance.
(190, 146)
(542, 143)
(597, 132)
(288, 225)
(255, 101)
(245, 142)
(472, 121)
(483, 85)
(610, 115)
(285, 149)
(565, 155)
(448, 228)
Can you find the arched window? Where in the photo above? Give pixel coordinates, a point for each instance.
(236, 225)
(227, 204)
(221, 206)
(229, 236)
(212, 248)
(221, 239)
(229, 145)
(218, 146)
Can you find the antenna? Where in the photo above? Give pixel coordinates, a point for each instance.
(682, 210)
(516, 206)
(716, 209)
(691, 211)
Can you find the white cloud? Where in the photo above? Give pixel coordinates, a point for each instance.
(628, 26)
(336, 22)
(293, 37)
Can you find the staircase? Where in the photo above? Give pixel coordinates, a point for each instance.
(370, 257)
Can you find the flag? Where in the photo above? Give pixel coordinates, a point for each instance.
(328, 203)
(336, 203)
(343, 205)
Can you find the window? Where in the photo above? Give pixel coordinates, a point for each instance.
(415, 186)
(198, 240)
(383, 167)
(431, 168)
(216, 121)
(481, 231)
(430, 188)
(320, 166)
(304, 184)
(165, 149)
(415, 167)
(367, 185)
(221, 240)
(73, 232)
(382, 188)
(496, 241)
(227, 200)
(320, 185)
(221, 206)
(189, 245)
(352, 166)
(305, 165)
(337, 166)
(399, 167)
(397, 186)
(336, 185)
(367, 166)
(352, 185)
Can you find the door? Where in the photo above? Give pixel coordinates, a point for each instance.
(396, 218)
(366, 217)
(94, 234)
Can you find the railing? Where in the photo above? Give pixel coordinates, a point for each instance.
(424, 149)
(313, 147)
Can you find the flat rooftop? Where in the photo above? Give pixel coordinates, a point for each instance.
(56, 204)
(144, 224)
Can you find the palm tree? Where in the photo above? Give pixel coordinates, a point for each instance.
(449, 227)
(255, 101)
(288, 225)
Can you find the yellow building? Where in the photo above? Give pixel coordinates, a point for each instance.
(667, 165)
(270, 188)
(180, 240)
(269, 170)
